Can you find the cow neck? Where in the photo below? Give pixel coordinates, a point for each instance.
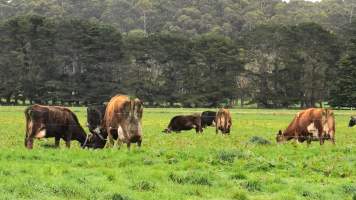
(79, 134)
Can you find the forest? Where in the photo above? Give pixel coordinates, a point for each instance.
(189, 53)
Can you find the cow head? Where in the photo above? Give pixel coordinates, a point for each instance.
(95, 115)
(96, 140)
(280, 137)
(166, 130)
(352, 121)
(226, 128)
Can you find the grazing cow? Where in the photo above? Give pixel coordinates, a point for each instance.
(123, 117)
(352, 121)
(208, 118)
(53, 121)
(223, 121)
(184, 122)
(310, 124)
(95, 118)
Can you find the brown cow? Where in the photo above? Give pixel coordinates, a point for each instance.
(53, 121)
(123, 117)
(310, 124)
(223, 121)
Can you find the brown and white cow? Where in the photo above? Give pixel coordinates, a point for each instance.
(123, 117)
(310, 124)
(223, 121)
(53, 121)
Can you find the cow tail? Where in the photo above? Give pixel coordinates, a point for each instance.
(28, 119)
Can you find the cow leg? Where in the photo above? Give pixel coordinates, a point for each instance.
(309, 139)
(56, 142)
(128, 145)
(67, 139)
(110, 140)
(68, 144)
(297, 137)
(332, 138)
(198, 129)
(29, 142)
(139, 142)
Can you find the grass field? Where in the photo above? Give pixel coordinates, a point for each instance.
(184, 166)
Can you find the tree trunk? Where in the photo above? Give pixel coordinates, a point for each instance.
(8, 99)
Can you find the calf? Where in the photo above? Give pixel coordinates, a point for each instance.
(208, 118)
(184, 122)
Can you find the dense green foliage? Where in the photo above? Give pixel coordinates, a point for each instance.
(194, 53)
(182, 166)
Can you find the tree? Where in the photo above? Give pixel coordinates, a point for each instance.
(343, 89)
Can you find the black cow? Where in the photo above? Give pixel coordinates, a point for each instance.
(352, 121)
(95, 116)
(207, 118)
(184, 122)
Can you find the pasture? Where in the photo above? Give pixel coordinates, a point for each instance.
(183, 166)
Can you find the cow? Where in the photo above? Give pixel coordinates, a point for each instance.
(310, 124)
(53, 121)
(95, 118)
(184, 122)
(223, 121)
(207, 118)
(123, 117)
(352, 121)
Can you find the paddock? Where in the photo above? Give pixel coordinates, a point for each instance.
(182, 165)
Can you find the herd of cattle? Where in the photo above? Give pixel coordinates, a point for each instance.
(120, 121)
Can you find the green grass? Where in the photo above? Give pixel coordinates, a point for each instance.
(184, 166)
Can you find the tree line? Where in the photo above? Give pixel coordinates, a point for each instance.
(71, 60)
